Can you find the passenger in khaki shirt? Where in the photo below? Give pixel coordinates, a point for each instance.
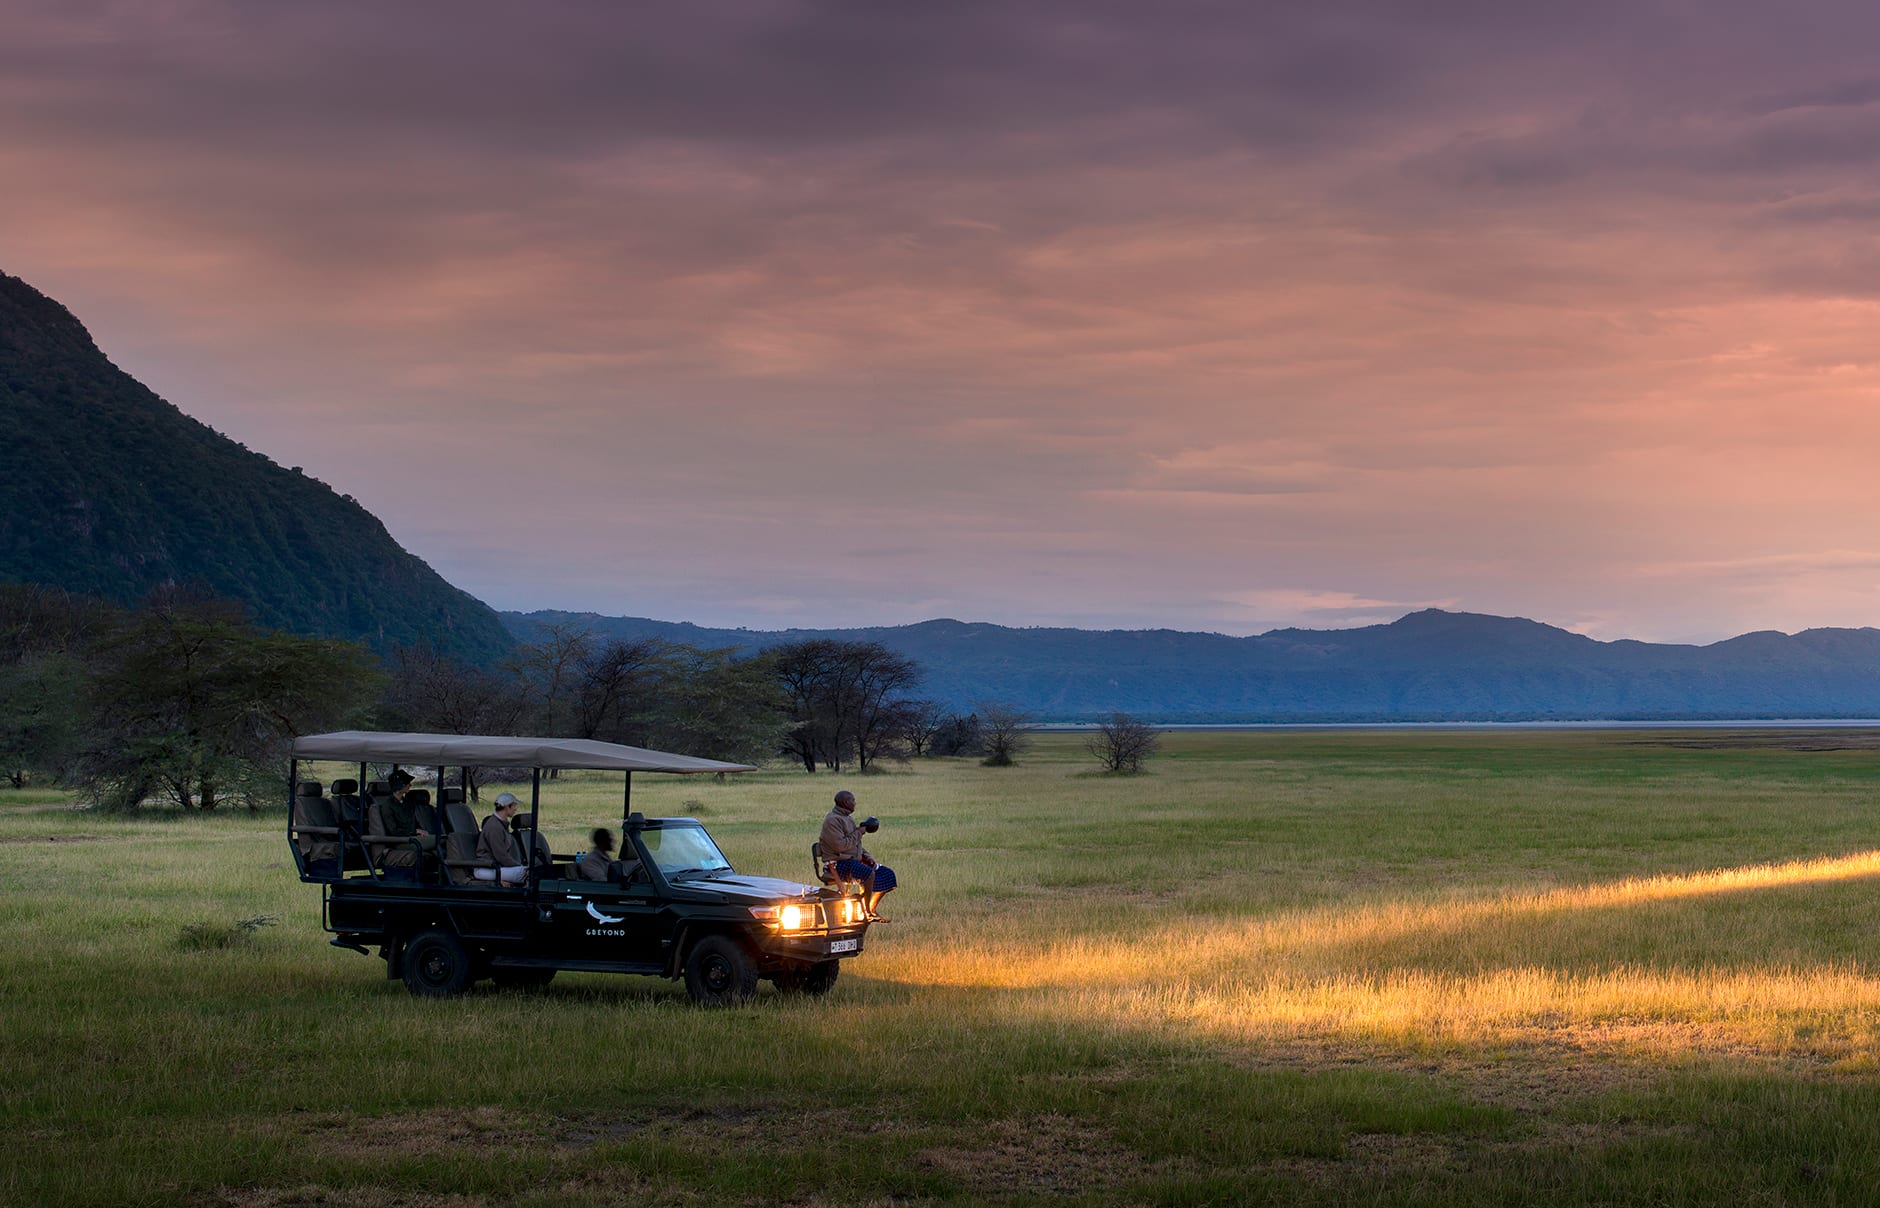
(496, 847)
(600, 855)
(841, 841)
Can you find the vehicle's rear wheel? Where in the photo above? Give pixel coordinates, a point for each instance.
(719, 972)
(521, 979)
(817, 979)
(436, 965)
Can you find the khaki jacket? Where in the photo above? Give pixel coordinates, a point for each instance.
(495, 847)
(842, 838)
(593, 866)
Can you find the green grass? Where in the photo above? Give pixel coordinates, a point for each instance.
(1420, 967)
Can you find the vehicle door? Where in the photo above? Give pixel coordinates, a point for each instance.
(593, 921)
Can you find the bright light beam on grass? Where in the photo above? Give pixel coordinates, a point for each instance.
(1443, 971)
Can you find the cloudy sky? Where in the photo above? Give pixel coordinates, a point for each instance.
(1204, 315)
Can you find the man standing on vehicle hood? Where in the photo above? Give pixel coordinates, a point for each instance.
(842, 842)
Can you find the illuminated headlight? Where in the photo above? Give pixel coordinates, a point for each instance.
(791, 916)
(848, 910)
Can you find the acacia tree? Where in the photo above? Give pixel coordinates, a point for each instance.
(616, 689)
(45, 638)
(716, 705)
(1122, 743)
(879, 717)
(551, 667)
(806, 675)
(842, 699)
(921, 721)
(957, 734)
(41, 701)
(432, 692)
(1005, 731)
(193, 704)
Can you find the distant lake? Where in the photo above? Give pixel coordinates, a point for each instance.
(1745, 723)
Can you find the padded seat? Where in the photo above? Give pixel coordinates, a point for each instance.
(420, 802)
(528, 840)
(316, 830)
(388, 851)
(460, 841)
(350, 811)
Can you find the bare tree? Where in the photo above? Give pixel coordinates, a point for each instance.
(614, 688)
(1005, 732)
(1122, 743)
(805, 672)
(957, 734)
(921, 721)
(552, 666)
(879, 717)
(431, 691)
(842, 699)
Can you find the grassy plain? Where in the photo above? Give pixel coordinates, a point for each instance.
(1396, 968)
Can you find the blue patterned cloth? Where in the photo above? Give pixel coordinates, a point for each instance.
(855, 870)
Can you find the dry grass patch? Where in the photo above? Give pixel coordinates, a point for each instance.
(440, 1130)
(314, 1196)
(1045, 1155)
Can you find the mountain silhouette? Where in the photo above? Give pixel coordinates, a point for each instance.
(109, 491)
(1428, 666)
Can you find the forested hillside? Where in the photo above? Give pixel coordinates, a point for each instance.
(1427, 666)
(107, 490)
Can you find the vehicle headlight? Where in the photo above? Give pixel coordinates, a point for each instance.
(788, 916)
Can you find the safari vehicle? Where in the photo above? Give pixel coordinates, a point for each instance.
(672, 907)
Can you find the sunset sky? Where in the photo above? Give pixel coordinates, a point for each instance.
(1210, 316)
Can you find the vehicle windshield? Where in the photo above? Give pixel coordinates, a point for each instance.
(682, 851)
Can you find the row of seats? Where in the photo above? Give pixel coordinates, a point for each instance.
(342, 832)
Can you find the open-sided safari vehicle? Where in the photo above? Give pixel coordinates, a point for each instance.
(672, 907)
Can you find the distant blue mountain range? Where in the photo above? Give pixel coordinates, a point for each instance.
(1427, 666)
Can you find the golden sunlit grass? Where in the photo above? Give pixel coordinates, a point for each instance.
(1357, 974)
(1420, 967)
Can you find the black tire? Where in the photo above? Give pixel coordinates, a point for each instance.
(521, 979)
(436, 965)
(720, 973)
(814, 980)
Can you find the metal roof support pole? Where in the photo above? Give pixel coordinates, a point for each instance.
(535, 833)
(626, 805)
(293, 799)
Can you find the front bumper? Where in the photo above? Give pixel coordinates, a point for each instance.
(815, 945)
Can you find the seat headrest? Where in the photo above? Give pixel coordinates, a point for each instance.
(345, 788)
(451, 795)
(310, 788)
(380, 788)
(417, 796)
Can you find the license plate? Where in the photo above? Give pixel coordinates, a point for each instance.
(843, 945)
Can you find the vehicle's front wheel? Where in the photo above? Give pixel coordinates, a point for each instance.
(815, 980)
(720, 973)
(436, 965)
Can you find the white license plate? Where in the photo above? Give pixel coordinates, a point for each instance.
(843, 945)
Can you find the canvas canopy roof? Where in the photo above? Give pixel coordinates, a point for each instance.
(486, 751)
